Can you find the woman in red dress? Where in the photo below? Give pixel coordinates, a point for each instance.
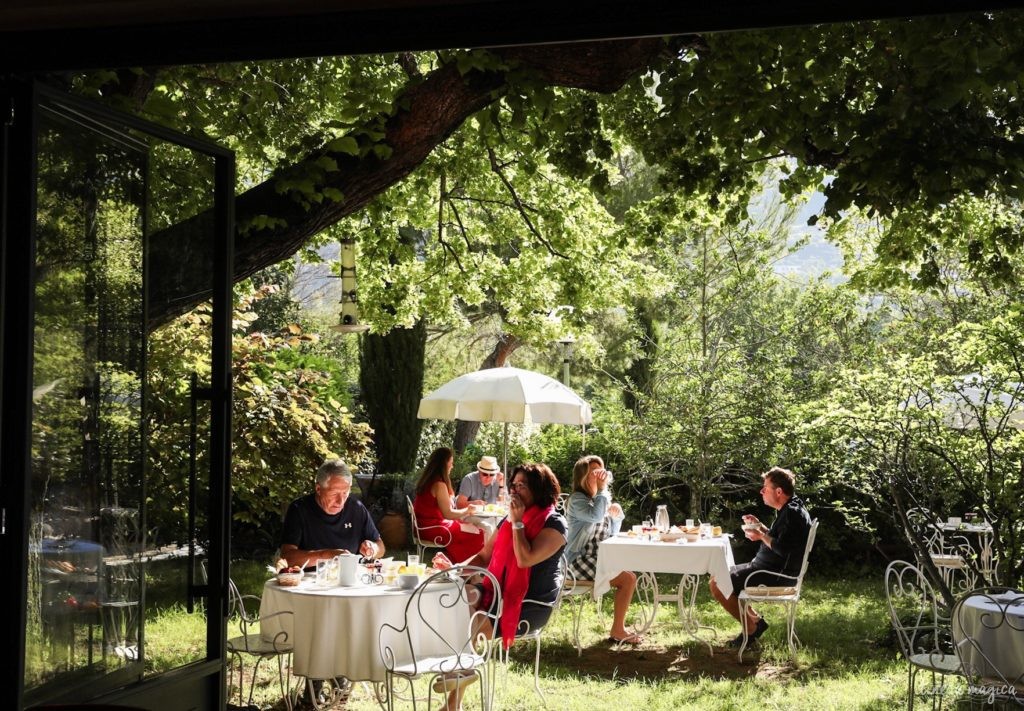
(434, 511)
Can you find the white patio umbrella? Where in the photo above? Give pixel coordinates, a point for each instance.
(506, 395)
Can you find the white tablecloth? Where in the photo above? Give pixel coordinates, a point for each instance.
(999, 639)
(335, 631)
(709, 556)
(487, 520)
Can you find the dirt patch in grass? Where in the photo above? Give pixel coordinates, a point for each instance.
(652, 661)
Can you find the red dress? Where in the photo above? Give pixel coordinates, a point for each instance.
(461, 545)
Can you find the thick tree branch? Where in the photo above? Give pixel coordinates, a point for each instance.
(431, 110)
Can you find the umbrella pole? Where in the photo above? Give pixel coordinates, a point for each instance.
(504, 457)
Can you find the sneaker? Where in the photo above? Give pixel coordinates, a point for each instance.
(736, 641)
(453, 681)
(762, 627)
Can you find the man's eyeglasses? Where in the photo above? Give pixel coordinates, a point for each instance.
(483, 474)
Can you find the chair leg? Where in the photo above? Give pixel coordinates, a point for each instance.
(252, 686)
(286, 686)
(536, 675)
(911, 673)
(577, 621)
(791, 630)
(743, 627)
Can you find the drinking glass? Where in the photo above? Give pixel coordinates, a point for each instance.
(323, 572)
(413, 560)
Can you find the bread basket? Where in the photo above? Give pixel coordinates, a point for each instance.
(289, 580)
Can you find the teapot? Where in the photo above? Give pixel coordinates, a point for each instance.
(348, 569)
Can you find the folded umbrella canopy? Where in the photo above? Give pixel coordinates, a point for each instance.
(506, 395)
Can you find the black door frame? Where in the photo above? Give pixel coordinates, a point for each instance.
(19, 99)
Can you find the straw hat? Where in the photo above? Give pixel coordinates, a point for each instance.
(488, 465)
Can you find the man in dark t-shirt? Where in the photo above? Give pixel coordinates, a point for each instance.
(781, 550)
(323, 524)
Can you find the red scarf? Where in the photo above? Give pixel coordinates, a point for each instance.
(513, 579)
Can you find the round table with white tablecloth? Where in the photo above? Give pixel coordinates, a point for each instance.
(334, 631)
(988, 630)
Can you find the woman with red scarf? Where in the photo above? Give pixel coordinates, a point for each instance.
(524, 556)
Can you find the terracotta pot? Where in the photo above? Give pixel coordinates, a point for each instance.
(394, 530)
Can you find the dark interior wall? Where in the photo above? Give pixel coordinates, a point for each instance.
(67, 34)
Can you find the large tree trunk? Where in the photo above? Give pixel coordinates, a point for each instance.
(274, 222)
(391, 379)
(465, 432)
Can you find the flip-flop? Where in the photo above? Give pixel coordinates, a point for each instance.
(633, 639)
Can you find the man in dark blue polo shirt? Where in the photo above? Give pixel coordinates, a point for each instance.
(323, 524)
(781, 550)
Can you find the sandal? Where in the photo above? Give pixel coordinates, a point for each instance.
(633, 639)
(457, 680)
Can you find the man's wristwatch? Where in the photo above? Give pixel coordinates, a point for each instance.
(518, 525)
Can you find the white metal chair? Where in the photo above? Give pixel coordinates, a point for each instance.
(987, 624)
(948, 553)
(428, 536)
(250, 643)
(462, 651)
(785, 595)
(524, 632)
(576, 593)
(562, 503)
(922, 628)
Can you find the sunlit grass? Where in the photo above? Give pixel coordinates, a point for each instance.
(846, 660)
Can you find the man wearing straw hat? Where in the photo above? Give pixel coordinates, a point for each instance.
(482, 486)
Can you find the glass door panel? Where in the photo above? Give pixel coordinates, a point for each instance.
(178, 413)
(121, 435)
(85, 582)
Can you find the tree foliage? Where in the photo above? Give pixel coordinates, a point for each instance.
(286, 420)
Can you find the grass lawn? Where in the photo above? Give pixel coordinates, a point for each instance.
(847, 660)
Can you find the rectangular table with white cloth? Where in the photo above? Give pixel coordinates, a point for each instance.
(334, 630)
(692, 560)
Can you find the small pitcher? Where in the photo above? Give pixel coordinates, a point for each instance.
(661, 521)
(348, 569)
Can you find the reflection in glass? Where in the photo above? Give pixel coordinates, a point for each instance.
(113, 398)
(87, 429)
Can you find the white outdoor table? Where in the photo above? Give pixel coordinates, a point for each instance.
(334, 631)
(983, 532)
(989, 633)
(692, 560)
